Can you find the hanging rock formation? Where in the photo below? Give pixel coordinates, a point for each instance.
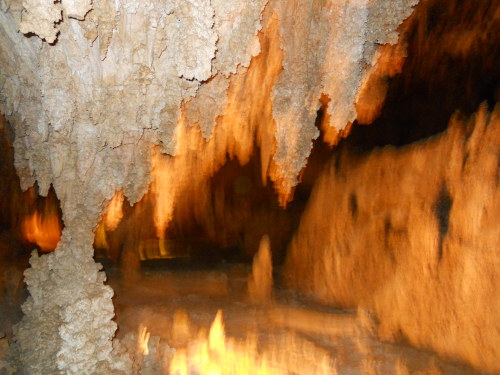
(94, 85)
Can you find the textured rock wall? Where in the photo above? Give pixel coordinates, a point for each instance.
(94, 85)
(412, 235)
(115, 77)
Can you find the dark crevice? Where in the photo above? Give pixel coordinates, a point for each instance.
(389, 232)
(353, 205)
(438, 79)
(442, 209)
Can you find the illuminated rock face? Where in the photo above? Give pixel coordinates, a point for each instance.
(260, 282)
(113, 80)
(105, 81)
(412, 235)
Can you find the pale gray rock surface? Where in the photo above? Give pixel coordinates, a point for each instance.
(208, 104)
(237, 24)
(40, 17)
(77, 8)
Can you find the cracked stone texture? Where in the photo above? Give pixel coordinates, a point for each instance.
(106, 81)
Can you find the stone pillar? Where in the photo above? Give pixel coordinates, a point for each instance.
(68, 326)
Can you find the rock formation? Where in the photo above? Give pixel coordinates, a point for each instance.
(260, 282)
(91, 86)
(411, 234)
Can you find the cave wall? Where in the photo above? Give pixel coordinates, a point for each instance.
(411, 234)
(90, 87)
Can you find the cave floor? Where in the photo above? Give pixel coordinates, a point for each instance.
(178, 306)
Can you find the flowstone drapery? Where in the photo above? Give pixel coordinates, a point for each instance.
(93, 86)
(411, 234)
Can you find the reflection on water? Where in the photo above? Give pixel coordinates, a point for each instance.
(203, 322)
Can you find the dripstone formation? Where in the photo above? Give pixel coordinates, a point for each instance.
(91, 87)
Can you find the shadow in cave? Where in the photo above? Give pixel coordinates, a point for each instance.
(28, 222)
(451, 65)
(223, 223)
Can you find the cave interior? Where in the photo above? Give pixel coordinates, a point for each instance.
(235, 240)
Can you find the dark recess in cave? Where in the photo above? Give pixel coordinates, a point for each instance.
(435, 83)
(15, 250)
(353, 204)
(442, 209)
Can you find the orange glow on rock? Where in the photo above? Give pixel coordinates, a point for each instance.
(42, 229)
(114, 211)
(143, 339)
(245, 126)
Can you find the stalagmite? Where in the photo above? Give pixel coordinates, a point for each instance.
(260, 282)
(94, 87)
